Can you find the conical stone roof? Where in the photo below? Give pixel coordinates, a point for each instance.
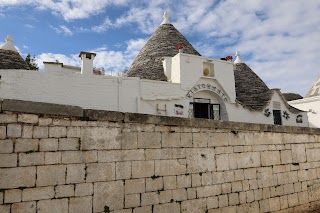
(10, 58)
(251, 91)
(291, 96)
(314, 90)
(163, 43)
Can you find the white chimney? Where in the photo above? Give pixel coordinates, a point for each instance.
(87, 63)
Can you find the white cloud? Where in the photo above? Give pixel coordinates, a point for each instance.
(279, 40)
(72, 60)
(66, 30)
(62, 29)
(111, 61)
(103, 26)
(29, 26)
(68, 9)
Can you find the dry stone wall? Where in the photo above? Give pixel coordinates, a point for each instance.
(132, 163)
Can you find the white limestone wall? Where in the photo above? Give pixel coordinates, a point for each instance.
(292, 120)
(54, 67)
(96, 92)
(240, 114)
(312, 104)
(225, 76)
(175, 69)
(160, 90)
(119, 94)
(191, 68)
(165, 107)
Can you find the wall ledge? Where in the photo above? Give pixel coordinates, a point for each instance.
(41, 108)
(50, 109)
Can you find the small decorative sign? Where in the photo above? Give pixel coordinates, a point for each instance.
(201, 87)
(267, 112)
(286, 115)
(299, 119)
(178, 109)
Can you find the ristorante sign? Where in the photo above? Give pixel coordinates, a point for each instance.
(201, 87)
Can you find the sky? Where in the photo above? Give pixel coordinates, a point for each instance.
(278, 39)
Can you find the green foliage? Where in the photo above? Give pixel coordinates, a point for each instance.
(31, 62)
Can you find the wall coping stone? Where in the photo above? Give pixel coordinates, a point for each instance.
(41, 108)
(125, 117)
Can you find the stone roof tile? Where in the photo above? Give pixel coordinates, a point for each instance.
(12, 60)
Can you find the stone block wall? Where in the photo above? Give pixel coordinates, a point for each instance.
(131, 163)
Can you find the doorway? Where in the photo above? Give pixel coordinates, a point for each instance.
(277, 117)
(202, 108)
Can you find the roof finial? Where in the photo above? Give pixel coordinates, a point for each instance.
(8, 45)
(238, 60)
(9, 39)
(165, 18)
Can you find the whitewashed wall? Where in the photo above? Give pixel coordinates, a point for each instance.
(118, 94)
(312, 104)
(96, 92)
(238, 113)
(134, 95)
(188, 69)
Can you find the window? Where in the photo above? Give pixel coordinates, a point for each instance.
(202, 108)
(277, 117)
(215, 111)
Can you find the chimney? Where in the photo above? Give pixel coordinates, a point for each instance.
(87, 63)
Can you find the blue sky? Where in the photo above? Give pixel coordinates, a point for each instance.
(279, 40)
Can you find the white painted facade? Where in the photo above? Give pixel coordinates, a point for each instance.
(312, 106)
(191, 79)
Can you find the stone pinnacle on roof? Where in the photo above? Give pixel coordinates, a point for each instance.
(8, 45)
(165, 18)
(238, 60)
(163, 43)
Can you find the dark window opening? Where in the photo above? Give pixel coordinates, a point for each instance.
(202, 108)
(277, 117)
